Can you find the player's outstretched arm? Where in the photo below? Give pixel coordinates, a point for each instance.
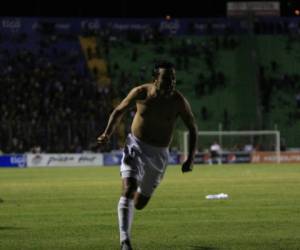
(187, 116)
(118, 112)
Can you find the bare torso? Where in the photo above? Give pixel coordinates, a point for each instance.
(155, 117)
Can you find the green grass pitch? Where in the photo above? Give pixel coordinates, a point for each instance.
(76, 208)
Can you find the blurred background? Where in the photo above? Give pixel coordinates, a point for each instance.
(64, 67)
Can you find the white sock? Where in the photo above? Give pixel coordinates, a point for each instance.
(125, 214)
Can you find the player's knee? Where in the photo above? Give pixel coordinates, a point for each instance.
(129, 190)
(129, 193)
(140, 201)
(139, 206)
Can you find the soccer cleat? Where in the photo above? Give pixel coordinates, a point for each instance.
(125, 245)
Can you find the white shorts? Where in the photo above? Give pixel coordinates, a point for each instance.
(145, 163)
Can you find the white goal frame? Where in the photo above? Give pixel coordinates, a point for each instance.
(222, 133)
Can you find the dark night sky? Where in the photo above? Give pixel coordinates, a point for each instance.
(124, 8)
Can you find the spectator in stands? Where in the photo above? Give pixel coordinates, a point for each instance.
(43, 93)
(298, 100)
(36, 149)
(204, 113)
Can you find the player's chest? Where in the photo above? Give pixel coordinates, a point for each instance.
(159, 109)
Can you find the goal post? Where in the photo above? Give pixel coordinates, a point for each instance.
(221, 134)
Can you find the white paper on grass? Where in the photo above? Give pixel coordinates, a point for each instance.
(216, 196)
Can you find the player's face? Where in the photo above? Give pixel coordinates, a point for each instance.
(165, 82)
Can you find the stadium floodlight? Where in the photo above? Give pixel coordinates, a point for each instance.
(222, 133)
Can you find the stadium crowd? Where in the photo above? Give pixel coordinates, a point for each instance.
(51, 101)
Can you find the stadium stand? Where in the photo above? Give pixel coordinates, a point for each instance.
(58, 87)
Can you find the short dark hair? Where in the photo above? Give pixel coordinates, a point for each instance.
(161, 64)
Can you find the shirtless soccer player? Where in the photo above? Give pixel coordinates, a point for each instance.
(145, 157)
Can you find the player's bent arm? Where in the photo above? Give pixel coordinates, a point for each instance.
(117, 114)
(187, 117)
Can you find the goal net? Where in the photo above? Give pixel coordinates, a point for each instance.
(234, 145)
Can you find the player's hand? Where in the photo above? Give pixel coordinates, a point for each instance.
(103, 139)
(187, 166)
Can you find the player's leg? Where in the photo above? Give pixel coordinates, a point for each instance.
(140, 200)
(131, 173)
(146, 187)
(219, 159)
(129, 187)
(125, 210)
(210, 161)
(155, 161)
